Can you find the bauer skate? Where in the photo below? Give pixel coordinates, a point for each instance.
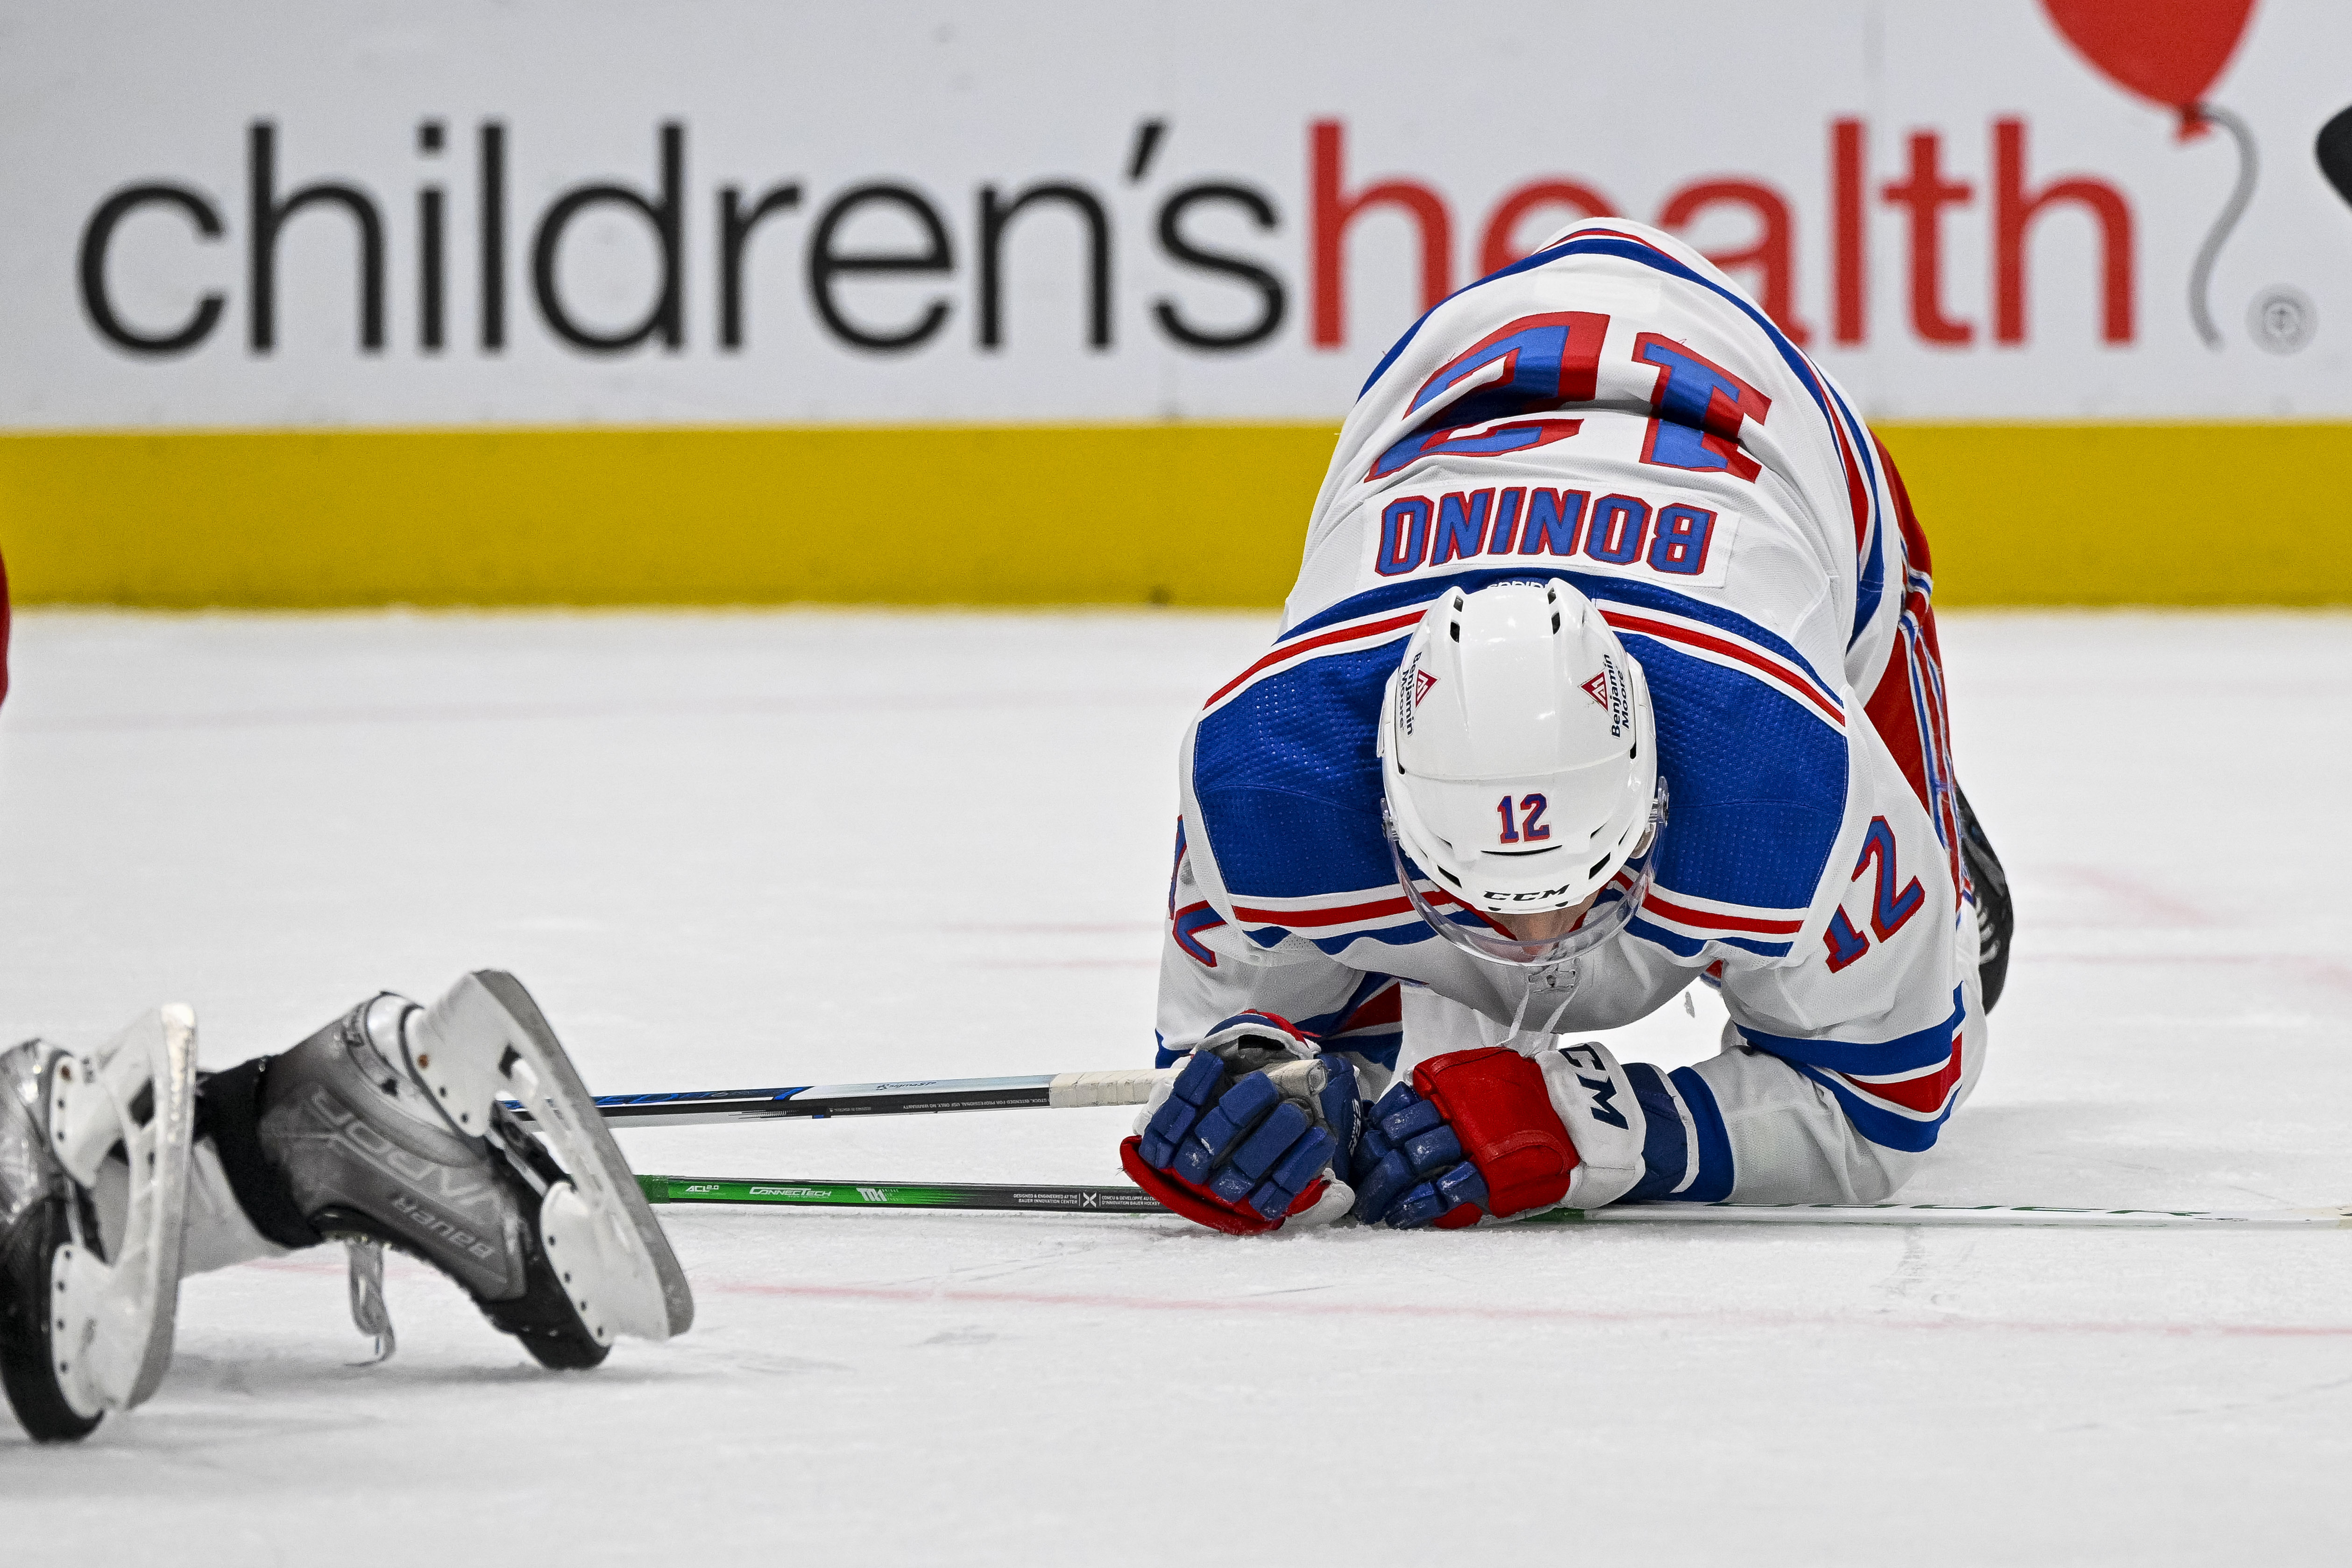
(94, 1159)
(387, 1127)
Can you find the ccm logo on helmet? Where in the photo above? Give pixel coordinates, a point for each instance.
(1559, 892)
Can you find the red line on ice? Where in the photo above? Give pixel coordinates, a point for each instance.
(1513, 1314)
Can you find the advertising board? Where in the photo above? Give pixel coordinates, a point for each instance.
(702, 302)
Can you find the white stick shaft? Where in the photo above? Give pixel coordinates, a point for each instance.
(1124, 1086)
(1054, 1091)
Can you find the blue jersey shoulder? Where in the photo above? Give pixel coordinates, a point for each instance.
(1288, 782)
(1750, 742)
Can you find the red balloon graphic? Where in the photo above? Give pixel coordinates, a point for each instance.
(2168, 51)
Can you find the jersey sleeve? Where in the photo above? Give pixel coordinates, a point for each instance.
(1838, 1072)
(1210, 971)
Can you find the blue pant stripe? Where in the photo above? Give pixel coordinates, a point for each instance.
(1665, 1154)
(1713, 1182)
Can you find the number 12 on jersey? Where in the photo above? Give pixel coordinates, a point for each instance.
(1889, 911)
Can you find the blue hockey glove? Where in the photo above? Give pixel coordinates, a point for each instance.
(1408, 1169)
(1250, 1131)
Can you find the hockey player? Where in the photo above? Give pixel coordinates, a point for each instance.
(1611, 666)
(124, 1170)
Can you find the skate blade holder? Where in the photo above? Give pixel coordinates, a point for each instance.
(111, 1318)
(486, 1040)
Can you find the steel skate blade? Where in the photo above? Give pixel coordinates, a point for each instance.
(486, 1040)
(114, 1308)
(364, 1259)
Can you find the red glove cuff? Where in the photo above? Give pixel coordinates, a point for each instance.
(1496, 1101)
(1204, 1207)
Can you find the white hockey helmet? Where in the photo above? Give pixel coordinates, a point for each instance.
(1520, 759)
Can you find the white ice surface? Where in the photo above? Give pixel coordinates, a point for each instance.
(748, 849)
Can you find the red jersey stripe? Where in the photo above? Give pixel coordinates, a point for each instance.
(1342, 914)
(1779, 675)
(1923, 1095)
(1321, 639)
(1683, 914)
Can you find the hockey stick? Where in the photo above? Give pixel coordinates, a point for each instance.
(1057, 1091)
(1045, 1199)
(897, 1194)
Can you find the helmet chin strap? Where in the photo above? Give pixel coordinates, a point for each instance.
(1546, 978)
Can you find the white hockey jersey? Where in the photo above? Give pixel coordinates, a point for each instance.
(1613, 411)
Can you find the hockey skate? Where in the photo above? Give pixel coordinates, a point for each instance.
(388, 1127)
(1996, 914)
(94, 1160)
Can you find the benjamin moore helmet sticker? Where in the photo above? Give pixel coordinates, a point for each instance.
(1621, 707)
